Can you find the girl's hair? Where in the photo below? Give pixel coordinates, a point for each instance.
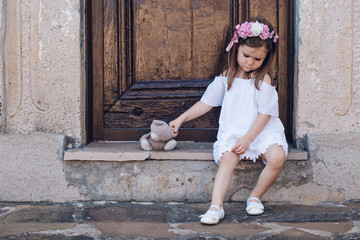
(258, 74)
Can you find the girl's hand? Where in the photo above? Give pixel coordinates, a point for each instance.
(198, 109)
(241, 146)
(175, 125)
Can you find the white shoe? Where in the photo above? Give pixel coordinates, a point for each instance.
(254, 206)
(212, 216)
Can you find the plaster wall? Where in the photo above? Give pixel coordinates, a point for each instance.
(2, 62)
(327, 98)
(45, 82)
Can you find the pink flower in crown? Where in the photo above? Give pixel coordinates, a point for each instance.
(265, 33)
(236, 34)
(275, 38)
(248, 29)
(244, 30)
(272, 34)
(237, 28)
(252, 29)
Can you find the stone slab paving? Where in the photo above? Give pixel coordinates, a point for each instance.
(125, 220)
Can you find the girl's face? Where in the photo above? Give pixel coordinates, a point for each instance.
(251, 58)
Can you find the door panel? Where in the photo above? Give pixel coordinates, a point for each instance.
(153, 59)
(179, 39)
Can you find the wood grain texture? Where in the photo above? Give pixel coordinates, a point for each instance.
(285, 64)
(134, 134)
(179, 39)
(147, 101)
(97, 38)
(266, 9)
(152, 59)
(111, 54)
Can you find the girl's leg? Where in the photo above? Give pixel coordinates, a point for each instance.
(274, 157)
(223, 177)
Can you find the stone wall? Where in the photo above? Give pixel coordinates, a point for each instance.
(32, 169)
(45, 85)
(42, 96)
(327, 98)
(3, 13)
(327, 83)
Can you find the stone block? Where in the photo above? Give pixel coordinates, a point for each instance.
(336, 164)
(31, 169)
(172, 180)
(332, 170)
(107, 151)
(149, 180)
(45, 68)
(322, 102)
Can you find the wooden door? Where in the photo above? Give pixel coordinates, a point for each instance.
(153, 59)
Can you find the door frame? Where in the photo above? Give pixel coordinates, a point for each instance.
(94, 72)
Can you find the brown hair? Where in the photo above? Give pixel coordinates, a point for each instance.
(259, 74)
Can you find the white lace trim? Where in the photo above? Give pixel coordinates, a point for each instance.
(254, 151)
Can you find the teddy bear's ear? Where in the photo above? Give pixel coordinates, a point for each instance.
(158, 122)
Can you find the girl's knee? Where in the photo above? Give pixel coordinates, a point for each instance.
(275, 156)
(229, 159)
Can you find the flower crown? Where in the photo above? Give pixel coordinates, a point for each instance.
(252, 29)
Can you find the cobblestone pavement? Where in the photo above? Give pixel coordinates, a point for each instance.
(119, 220)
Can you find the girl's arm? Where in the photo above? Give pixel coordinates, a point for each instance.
(242, 145)
(197, 110)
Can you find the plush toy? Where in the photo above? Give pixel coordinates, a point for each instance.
(160, 137)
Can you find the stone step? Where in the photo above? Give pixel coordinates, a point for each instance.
(121, 171)
(131, 151)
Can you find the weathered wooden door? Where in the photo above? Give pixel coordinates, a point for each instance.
(152, 59)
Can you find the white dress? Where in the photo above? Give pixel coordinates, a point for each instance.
(240, 107)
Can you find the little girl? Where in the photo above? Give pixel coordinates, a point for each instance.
(249, 126)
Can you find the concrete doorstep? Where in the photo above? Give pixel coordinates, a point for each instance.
(184, 174)
(147, 220)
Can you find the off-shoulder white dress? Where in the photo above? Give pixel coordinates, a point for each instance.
(240, 107)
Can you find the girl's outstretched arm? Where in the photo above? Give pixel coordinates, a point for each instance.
(197, 110)
(242, 145)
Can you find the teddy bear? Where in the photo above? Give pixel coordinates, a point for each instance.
(161, 137)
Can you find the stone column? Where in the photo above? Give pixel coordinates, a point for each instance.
(45, 68)
(327, 97)
(3, 12)
(42, 97)
(327, 80)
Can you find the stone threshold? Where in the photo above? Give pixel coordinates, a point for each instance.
(131, 151)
